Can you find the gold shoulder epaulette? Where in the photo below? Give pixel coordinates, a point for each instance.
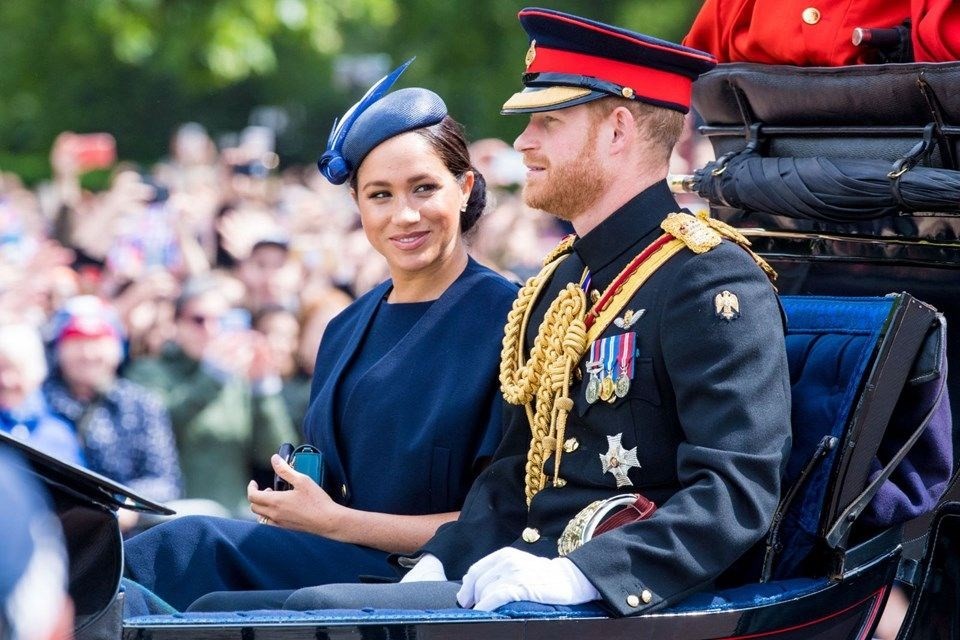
(732, 234)
(725, 230)
(702, 233)
(699, 236)
(563, 247)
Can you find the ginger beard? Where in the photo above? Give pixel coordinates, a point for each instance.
(571, 186)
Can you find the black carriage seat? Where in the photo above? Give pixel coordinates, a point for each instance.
(849, 359)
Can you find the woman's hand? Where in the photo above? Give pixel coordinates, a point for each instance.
(305, 507)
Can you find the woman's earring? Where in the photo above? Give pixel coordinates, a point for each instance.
(463, 209)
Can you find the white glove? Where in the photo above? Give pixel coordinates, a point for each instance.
(509, 575)
(428, 569)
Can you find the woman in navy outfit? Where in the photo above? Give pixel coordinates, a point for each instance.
(404, 402)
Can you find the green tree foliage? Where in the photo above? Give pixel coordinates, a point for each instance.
(472, 53)
(137, 68)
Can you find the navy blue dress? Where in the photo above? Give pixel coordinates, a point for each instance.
(404, 403)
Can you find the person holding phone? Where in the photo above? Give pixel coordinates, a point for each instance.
(404, 403)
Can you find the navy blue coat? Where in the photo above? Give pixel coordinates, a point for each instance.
(708, 412)
(430, 408)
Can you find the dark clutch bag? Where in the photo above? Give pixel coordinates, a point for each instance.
(306, 459)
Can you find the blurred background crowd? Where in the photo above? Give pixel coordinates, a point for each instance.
(162, 331)
(159, 319)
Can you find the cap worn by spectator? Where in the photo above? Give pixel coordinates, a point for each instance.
(280, 241)
(85, 317)
(33, 569)
(572, 60)
(86, 327)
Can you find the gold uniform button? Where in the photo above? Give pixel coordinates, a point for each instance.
(530, 535)
(627, 93)
(570, 445)
(559, 483)
(811, 15)
(646, 596)
(633, 600)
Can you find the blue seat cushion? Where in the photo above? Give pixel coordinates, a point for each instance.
(830, 346)
(326, 616)
(740, 597)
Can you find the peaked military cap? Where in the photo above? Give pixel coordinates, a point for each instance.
(572, 60)
(377, 117)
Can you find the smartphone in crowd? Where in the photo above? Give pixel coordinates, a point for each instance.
(93, 150)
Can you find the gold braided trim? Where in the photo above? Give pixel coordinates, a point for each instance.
(545, 377)
(696, 234)
(731, 233)
(563, 248)
(631, 286)
(561, 342)
(702, 233)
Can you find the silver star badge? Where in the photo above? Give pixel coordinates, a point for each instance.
(618, 460)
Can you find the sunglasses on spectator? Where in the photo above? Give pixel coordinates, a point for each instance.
(201, 320)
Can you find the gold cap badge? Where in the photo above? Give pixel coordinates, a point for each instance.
(531, 53)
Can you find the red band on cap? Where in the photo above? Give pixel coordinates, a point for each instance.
(86, 327)
(72, 334)
(646, 82)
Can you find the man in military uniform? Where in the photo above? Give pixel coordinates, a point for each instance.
(646, 359)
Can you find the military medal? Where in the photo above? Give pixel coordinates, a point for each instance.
(625, 348)
(623, 385)
(593, 386)
(608, 355)
(618, 461)
(614, 355)
(607, 388)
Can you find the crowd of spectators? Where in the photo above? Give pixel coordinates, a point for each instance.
(162, 332)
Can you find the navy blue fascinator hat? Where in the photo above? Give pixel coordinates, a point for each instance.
(378, 116)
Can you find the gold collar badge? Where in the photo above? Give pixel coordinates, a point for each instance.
(531, 54)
